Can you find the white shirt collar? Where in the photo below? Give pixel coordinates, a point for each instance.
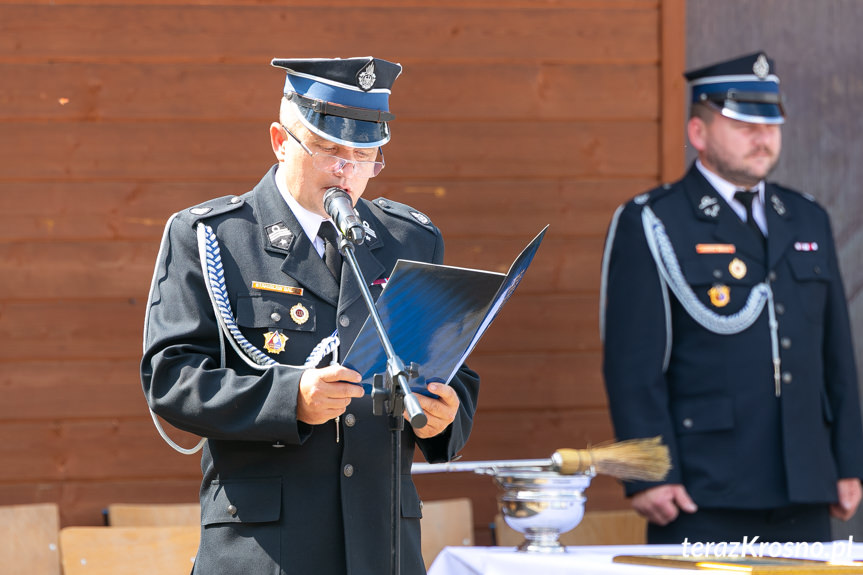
(309, 221)
(726, 189)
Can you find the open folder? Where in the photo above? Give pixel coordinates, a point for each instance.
(434, 316)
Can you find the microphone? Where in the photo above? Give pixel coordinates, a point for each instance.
(338, 205)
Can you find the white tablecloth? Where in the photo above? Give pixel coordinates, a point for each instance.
(587, 560)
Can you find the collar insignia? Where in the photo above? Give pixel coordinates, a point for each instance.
(366, 77)
(369, 231)
(279, 235)
(777, 205)
(709, 206)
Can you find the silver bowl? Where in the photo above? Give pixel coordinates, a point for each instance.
(541, 504)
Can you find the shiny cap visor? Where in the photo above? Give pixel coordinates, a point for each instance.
(345, 131)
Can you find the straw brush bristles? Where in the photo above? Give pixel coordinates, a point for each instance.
(634, 459)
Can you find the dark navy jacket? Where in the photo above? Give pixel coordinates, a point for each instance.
(278, 495)
(733, 443)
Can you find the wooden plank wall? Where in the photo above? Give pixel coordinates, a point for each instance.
(511, 114)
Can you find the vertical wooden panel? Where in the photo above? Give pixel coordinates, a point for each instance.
(673, 54)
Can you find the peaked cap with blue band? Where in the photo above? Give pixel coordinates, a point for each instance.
(346, 100)
(745, 89)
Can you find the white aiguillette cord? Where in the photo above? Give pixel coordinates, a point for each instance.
(214, 278)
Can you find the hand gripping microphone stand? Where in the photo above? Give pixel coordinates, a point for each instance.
(390, 390)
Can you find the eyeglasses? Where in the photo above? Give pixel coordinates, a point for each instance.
(336, 165)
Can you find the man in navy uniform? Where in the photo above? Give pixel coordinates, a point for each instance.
(250, 307)
(725, 330)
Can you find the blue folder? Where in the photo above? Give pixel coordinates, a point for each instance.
(434, 316)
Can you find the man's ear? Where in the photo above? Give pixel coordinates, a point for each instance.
(277, 140)
(696, 131)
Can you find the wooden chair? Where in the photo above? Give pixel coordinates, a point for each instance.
(625, 527)
(129, 550)
(28, 539)
(446, 522)
(153, 514)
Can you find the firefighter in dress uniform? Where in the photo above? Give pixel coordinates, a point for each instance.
(725, 330)
(249, 307)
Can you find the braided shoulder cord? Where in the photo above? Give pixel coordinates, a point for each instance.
(761, 294)
(669, 268)
(214, 278)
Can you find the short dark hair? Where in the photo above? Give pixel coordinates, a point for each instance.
(703, 111)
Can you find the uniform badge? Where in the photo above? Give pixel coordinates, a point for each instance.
(369, 231)
(299, 314)
(777, 205)
(366, 77)
(274, 341)
(719, 295)
(715, 248)
(279, 235)
(761, 67)
(709, 206)
(266, 286)
(421, 218)
(737, 268)
(806, 246)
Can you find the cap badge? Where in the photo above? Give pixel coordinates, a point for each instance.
(279, 235)
(737, 268)
(777, 205)
(274, 341)
(299, 314)
(719, 295)
(709, 206)
(761, 68)
(366, 77)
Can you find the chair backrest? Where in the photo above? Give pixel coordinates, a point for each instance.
(623, 527)
(446, 522)
(29, 539)
(129, 550)
(153, 514)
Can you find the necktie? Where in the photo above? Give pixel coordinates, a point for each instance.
(332, 257)
(746, 198)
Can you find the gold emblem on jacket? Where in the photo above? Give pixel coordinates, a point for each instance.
(299, 314)
(737, 268)
(274, 341)
(720, 295)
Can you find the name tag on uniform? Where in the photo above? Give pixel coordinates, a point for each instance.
(277, 288)
(715, 248)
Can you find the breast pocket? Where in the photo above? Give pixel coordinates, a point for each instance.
(276, 310)
(722, 282)
(811, 278)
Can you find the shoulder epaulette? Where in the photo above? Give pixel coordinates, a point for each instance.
(405, 212)
(651, 196)
(212, 208)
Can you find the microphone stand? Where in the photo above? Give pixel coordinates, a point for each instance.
(391, 394)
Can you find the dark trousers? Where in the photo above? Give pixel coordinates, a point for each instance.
(798, 523)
